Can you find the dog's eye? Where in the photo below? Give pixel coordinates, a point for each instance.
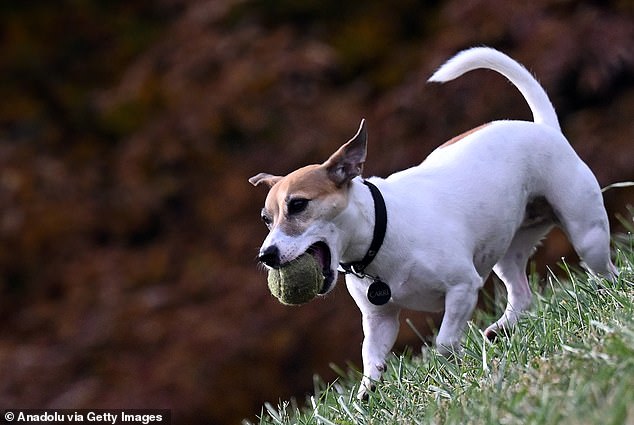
(296, 205)
(266, 219)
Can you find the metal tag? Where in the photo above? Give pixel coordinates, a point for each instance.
(379, 293)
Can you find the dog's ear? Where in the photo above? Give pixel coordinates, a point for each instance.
(347, 162)
(267, 179)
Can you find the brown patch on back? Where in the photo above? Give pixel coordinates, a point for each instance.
(462, 136)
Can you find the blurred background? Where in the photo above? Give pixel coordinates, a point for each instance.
(128, 129)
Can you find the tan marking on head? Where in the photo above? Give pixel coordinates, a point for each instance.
(312, 183)
(462, 136)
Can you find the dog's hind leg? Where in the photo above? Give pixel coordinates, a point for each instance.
(584, 220)
(511, 269)
(591, 241)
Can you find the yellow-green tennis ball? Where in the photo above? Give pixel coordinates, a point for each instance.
(296, 282)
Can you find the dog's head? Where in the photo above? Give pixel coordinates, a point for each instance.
(302, 208)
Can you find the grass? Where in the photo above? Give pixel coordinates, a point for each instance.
(570, 361)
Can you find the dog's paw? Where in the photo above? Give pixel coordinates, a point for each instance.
(495, 331)
(492, 333)
(450, 351)
(368, 383)
(367, 386)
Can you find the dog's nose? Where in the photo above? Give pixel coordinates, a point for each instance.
(270, 256)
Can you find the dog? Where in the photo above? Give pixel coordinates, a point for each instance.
(481, 202)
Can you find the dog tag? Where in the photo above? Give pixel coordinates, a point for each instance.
(379, 293)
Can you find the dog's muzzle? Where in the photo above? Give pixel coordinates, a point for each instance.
(270, 257)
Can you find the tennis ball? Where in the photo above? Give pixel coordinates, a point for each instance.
(296, 282)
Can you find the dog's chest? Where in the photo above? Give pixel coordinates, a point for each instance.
(417, 291)
(413, 296)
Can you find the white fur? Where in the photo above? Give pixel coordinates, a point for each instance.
(476, 205)
(482, 57)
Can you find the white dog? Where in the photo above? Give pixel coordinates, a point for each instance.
(429, 236)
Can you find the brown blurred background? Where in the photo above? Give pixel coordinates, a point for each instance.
(128, 129)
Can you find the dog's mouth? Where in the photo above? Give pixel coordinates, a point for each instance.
(321, 253)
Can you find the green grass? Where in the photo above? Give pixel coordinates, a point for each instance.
(570, 361)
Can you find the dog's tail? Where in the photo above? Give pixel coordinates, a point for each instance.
(485, 57)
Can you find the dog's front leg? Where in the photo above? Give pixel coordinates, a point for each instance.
(380, 328)
(460, 301)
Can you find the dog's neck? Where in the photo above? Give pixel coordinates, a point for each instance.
(357, 222)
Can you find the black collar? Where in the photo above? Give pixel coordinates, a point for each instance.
(380, 226)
